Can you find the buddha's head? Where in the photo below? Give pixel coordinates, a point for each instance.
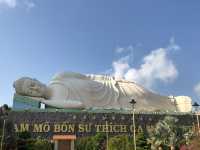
(30, 87)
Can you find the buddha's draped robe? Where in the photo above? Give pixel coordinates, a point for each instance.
(98, 91)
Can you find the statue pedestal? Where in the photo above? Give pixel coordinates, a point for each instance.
(64, 142)
(24, 102)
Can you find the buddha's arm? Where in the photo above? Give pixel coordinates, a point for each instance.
(64, 103)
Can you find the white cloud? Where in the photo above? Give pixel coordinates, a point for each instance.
(197, 89)
(156, 66)
(120, 68)
(9, 3)
(172, 45)
(122, 49)
(28, 4)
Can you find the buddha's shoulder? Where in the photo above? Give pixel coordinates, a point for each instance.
(68, 75)
(98, 77)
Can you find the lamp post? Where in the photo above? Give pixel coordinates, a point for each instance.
(106, 135)
(133, 102)
(4, 111)
(3, 132)
(196, 106)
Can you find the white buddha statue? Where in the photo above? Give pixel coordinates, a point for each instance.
(74, 90)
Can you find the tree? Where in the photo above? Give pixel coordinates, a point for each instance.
(125, 142)
(4, 110)
(167, 133)
(141, 140)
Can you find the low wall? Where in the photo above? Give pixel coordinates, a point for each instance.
(46, 124)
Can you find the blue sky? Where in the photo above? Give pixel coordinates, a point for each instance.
(127, 38)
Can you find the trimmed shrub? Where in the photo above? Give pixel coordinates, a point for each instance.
(120, 142)
(96, 142)
(41, 144)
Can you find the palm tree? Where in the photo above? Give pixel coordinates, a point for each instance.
(167, 133)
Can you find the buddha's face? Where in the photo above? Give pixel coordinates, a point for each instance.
(30, 87)
(34, 88)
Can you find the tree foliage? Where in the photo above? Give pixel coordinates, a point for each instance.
(24, 135)
(26, 142)
(42, 144)
(125, 142)
(120, 142)
(141, 141)
(168, 133)
(96, 142)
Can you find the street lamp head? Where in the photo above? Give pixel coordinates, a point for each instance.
(133, 101)
(196, 106)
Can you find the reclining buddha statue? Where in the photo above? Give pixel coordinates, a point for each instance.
(74, 90)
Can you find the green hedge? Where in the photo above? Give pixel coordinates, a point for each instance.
(25, 142)
(118, 142)
(96, 142)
